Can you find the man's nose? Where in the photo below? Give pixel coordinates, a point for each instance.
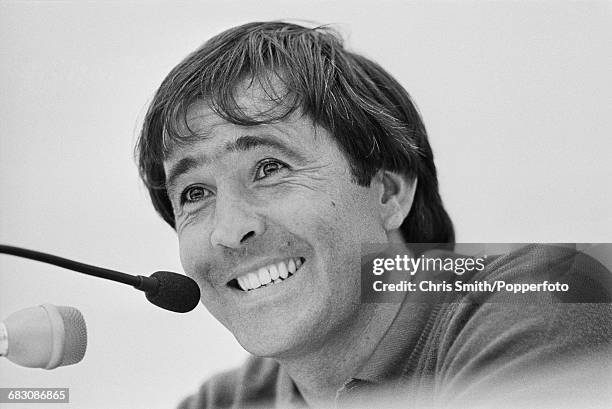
(234, 223)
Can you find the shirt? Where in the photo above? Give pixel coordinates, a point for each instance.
(449, 349)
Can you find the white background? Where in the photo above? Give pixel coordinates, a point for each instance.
(517, 98)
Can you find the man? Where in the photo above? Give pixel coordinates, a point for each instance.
(276, 154)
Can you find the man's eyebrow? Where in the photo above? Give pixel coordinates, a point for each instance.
(181, 167)
(249, 142)
(242, 144)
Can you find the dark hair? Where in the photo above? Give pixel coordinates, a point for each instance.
(370, 115)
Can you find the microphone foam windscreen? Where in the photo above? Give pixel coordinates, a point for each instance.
(176, 292)
(75, 342)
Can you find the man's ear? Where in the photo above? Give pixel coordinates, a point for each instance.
(396, 198)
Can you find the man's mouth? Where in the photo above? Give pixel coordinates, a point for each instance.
(268, 275)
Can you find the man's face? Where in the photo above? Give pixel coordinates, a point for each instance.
(249, 200)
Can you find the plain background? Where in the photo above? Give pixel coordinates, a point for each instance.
(517, 98)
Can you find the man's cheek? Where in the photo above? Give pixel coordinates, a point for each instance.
(190, 256)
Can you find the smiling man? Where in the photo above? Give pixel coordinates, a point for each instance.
(270, 223)
(276, 154)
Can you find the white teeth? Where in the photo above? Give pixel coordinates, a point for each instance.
(284, 273)
(254, 280)
(274, 272)
(282, 269)
(264, 276)
(291, 267)
(242, 284)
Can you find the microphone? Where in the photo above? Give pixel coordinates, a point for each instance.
(46, 337)
(170, 291)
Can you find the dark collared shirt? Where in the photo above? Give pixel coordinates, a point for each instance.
(488, 348)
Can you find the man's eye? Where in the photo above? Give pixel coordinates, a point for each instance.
(267, 168)
(194, 194)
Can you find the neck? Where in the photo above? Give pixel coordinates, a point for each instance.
(321, 372)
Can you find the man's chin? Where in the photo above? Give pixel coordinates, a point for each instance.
(275, 343)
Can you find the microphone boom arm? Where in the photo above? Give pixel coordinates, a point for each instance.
(168, 290)
(139, 282)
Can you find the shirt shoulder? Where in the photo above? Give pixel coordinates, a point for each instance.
(587, 280)
(535, 340)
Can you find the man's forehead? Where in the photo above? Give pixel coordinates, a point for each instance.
(212, 138)
(209, 132)
(254, 98)
(202, 123)
(200, 119)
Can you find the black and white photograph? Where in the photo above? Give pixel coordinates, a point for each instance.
(305, 204)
